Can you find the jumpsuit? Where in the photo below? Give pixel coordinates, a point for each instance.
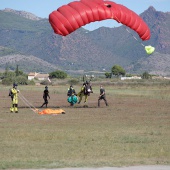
(14, 97)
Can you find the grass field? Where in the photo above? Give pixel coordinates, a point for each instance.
(133, 130)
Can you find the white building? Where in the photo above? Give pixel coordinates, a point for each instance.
(38, 76)
(131, 78)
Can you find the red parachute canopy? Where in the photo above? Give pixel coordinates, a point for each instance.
(68, 18)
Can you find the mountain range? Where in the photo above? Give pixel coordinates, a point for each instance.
(29, 41)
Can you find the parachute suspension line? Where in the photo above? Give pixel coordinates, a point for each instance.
(134, 37)
(149, 49)
(27, 102)
(130, 32)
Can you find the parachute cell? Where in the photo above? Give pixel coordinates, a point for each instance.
(69, 18)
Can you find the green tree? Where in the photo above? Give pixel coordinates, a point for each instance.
(118, 70)
(9, 77)
(108, 75)
(31, 82)
(22, 80)
(146, 75)
(17, 71)
(7, 81)
(6, 71)
(58, 74)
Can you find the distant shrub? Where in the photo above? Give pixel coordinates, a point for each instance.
(22, 80)
(73, 81)
(108, 75)
(7, 81)
(31, 82)
(45, 82)
(58, 74)
(146, 75)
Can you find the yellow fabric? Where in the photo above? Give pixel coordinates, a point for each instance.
(81, 94)
(149, 49)
(15, 95)
(51, 111)
(14, 104)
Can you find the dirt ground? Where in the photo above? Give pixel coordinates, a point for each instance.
(159, 167)
(138, 106)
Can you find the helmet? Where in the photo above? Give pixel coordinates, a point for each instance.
(14, 85)
(46, 87)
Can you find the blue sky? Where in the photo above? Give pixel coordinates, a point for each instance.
(42, 8)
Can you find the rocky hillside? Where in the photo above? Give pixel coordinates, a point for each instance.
(26, 63)
(157, 64)
(85, 50)
(24, 14)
